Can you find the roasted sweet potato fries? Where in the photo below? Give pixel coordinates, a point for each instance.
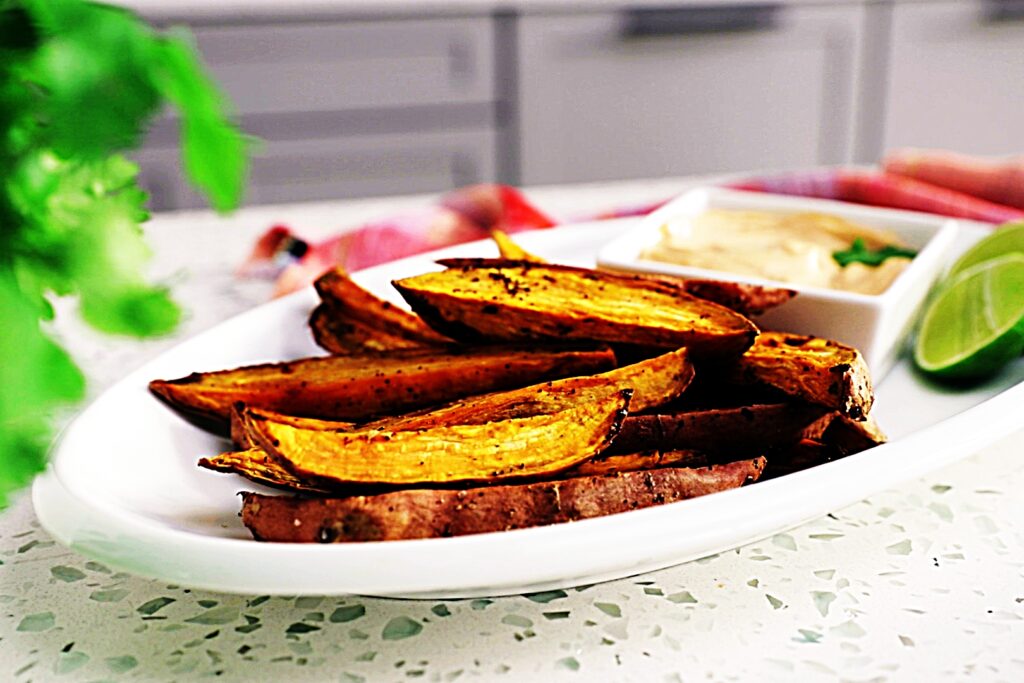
(471, 414)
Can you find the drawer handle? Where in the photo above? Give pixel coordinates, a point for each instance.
(646, 22)
(1002, 11)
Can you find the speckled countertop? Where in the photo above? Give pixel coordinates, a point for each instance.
(921, 583)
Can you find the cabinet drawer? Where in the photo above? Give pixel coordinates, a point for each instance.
(957, 76)
(351, 65)
(616, 95)
(340, 168)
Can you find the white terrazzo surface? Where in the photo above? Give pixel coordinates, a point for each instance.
(921, 583)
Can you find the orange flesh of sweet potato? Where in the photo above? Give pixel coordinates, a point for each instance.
(255, 465)
(242, 419)
(438, 513)
(653, 382)
(508, 248)
(510, 300)
(360, 387)
(550, 397)
(544, 443)
(817, 370)
(504, 405)
(349, 299)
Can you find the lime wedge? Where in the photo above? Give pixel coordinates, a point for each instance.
(1007, 239)
(975, 325)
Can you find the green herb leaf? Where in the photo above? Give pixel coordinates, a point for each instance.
(79, 82)
(91, 73)
(860, 253)
(213, 151)
(40, 377)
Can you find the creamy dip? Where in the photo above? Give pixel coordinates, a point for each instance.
(794, 248)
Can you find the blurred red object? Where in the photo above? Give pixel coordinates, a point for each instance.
(884, 189)
(464, 215)
(996, 180)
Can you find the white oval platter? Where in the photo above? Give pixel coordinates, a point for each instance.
(124, 487)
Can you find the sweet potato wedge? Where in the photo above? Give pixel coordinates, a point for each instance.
(654, 382)
(237, 427)
(845, 435)
(255, 465)
(816, 370)
(741, 297)
(853, 436)
(475, 410)
(341, 293)
(437, 513)
(340, 334)
(510, 250)
(498, 300)
(242, 421)
(552, 397)
(530, 445)
(363, 386)
(736, 432)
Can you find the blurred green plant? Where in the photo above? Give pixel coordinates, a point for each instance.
(79, 82)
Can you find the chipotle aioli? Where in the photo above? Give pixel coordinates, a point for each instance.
(795, 248)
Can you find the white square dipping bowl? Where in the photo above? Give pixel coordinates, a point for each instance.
(876, 324)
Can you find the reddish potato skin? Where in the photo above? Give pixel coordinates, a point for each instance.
(739, 296)
(337, 332)
(424, 513)
(738, 432)
(350, 301)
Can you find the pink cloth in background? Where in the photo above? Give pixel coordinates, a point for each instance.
(886, 190)
(933, 182)
(461, 216)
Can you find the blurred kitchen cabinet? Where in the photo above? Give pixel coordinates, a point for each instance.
(347, 108)
(337, 168)
(352, 65)
(956, 76)
(649, 92)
